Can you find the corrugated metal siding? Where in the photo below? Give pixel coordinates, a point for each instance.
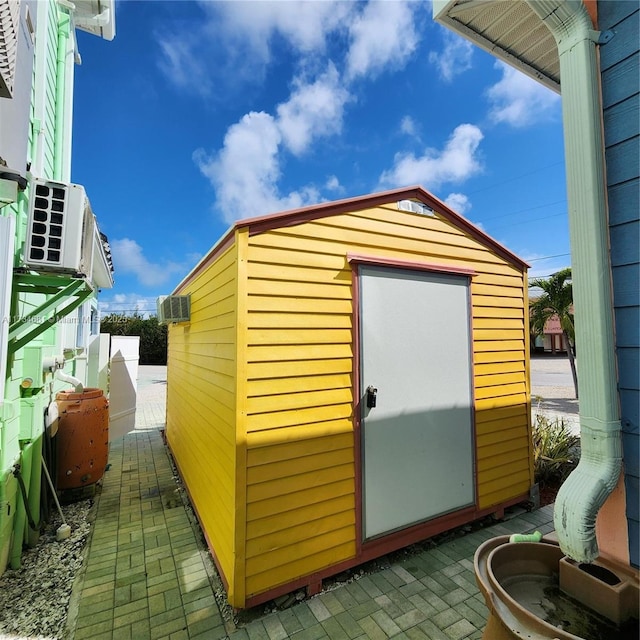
(201, 402)
(620, 90)
(300, 389)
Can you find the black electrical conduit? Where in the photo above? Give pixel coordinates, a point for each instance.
(23, 491)
(48, 460)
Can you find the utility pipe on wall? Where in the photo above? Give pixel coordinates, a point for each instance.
(586, 489)
(20, 517)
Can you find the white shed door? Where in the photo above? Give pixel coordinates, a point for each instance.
(415, 349)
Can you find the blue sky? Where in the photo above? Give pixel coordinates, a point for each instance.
(200, 113)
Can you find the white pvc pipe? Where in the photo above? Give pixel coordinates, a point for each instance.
(65, 377)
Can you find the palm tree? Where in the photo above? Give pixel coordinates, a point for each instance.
(556, 300)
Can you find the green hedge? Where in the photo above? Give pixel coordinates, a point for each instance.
(153, 336)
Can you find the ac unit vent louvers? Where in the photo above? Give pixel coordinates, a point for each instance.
(47, 225)
(174, 309)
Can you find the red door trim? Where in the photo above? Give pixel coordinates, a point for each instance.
(356, 258)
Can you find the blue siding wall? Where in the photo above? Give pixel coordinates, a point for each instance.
(620, 92)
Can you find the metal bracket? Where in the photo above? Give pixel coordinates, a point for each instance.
(602, 37)
(64, 295)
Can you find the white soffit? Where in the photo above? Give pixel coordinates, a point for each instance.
(509, 30)
(96, 17)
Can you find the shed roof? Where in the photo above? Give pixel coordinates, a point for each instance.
(294, 217)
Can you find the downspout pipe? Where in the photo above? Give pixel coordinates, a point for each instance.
(61, 375)
(64, 22)
(586, 489)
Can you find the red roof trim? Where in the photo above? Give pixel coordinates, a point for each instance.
(294, 217)
(298, 216)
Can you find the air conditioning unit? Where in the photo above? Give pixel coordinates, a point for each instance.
(174, 309)
(63, 235)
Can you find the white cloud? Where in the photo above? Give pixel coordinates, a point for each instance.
(128, 257)
(453, 164)
(304, 25)
(251, 156)
(333, 184)
(240, 36)
(455, 57)
(231, 43)
(383, 35)
(409, 126)
(519, 100)
(458, 202)
(312, 110)
(183, 65)
(246, 170)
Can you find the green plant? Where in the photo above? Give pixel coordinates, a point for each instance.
(153, 336)
(556, 301)
(555, 450)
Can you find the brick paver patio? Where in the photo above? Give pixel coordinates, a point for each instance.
(148, 576)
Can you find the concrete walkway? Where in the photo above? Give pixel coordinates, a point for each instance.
(148, 574)
(552, 391)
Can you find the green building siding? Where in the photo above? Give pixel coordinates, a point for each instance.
(21, 430)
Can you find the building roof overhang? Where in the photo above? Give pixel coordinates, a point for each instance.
(95, 16)
(509, 30)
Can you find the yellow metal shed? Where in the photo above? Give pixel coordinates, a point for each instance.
(353, 379)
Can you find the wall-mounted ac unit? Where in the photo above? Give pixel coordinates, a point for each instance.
(174, 309)
(63, 235)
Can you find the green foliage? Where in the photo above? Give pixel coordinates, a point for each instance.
(556, 300)
(153, 336)
(555, 450)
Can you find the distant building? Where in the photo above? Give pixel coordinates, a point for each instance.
(551, 340)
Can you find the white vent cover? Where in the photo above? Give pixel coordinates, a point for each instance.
(415, 207)
(174, 309)
(9, 19)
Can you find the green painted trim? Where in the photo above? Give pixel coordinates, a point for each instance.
(36, 128)
(64, 22)
(47, 314)
(38, 283)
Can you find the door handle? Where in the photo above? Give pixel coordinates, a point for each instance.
(372, 396)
